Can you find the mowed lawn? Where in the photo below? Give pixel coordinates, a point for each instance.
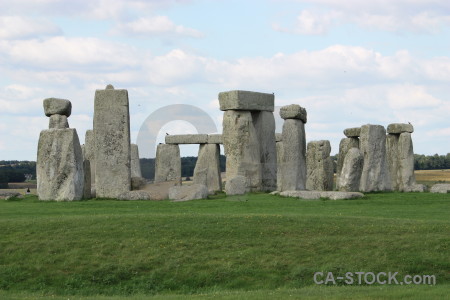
(256, 246)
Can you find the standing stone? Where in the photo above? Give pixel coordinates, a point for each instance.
(87, 179)
(242, 149)
(89, 153)
(392, 155)
(58, 122)
(345, 145)
(407, 179)
(207, 168)
(319, 166)
(351, 171)
(168, 163)
(59, 167)
(279, 146)
(375, 175)
(135, 163)
(236, 185)
(112, 142)
(293, 165)
(265, 127)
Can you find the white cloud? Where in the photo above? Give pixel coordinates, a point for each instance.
(17, 27)
(158, 25)
(387, 15)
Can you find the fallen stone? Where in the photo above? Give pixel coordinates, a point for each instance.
(159, 191)
(242, 148)
(134, 195)
(247, 101)
(167, 163)
(397, 128)
(187, 139)
(112, 142)
(442, 188)
(314, 195)
(293, 111)
(345, 145)
(58, 122)
(207, 168)
(293, 160)
(265, 128)
(55, 106)
(59, 166)
(417, 187)
(8, 195)
(236, 186)
(319, 166)
(215, 139)
(350, 177)
(135, 163)
(188, 192)
(375, 175)
(137, 183)
(352, 132)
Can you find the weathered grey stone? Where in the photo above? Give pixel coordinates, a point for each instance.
(265, 128)
(87, 179)
(167, 163)
(319, 166)
(245, 100)
(187, 139)
(242, 149)
(293, 111)
(215, 139)
(406, 162)
(159, 191)
(293, 165)
(55, 106)
(350, 177)
(58, 122)
(236, 185)
(442, 188)
(134, 195)
(93, 192)
(397, 128)
(188, 192)
(375, 175)
(352, 132)
(278, 137)
(417, 187)
(315, 195)
(89, 152)
(392, 156)
(112, 143)
(135, 163)
(279, 147)
(59, 167)
(137, 183)
(8, 195)
(207, 168)
(345, 145)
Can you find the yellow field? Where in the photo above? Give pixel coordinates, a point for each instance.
(432, 176)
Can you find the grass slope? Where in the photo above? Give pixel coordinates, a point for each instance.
(250, 245)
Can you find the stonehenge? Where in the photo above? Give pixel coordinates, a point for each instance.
(59, 168)
(370, 158)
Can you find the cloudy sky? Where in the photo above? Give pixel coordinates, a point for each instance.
(348, 62)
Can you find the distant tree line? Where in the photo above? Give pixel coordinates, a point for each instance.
(16, 171)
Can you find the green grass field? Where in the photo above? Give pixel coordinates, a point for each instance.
(255, 246)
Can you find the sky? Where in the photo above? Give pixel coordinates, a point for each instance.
(348, 63)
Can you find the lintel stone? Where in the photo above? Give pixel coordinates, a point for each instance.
(398, 128)
(352, 132)
(55, 106)
(293, 111)
(215, 138)
(187, 139)
(245, 100)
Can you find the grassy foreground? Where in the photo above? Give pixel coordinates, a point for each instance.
(243, 247)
